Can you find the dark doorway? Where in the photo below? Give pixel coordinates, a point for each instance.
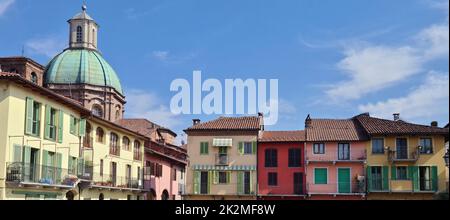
(204, 183)
(165, 195)
(70, 195)
(298, 183)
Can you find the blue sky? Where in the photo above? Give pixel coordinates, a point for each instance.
(333, 59)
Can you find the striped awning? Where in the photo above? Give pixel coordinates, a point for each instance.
(226, 168)
(222, 142)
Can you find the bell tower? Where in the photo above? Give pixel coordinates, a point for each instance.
(83, 31)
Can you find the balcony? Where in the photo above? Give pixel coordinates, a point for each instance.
(337, 188)
(402, 186)
(222, 160)
(116, 182)
(356, 156)
(395, 156)
(26, 174)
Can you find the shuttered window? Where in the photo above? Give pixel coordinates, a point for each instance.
(272, 179)
(204, 148)
(320, 176)
(74, 125)
(32, 117)
(271, 158)
(294, 158)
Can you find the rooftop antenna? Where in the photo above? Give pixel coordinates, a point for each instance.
(23, 50)
(84, 7)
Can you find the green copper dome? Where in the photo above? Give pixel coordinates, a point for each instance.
(81, 66)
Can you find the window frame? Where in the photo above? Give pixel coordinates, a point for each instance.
(319, 152)
(272, 179)
(291, 160)
(315, 175)
(382, 146)
(271, 158)
(246, 146)
(431, 150)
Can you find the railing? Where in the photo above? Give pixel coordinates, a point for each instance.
(114, 150)
(137, 156)
(401, 185)
(88, 142)
(337, 188)
(24, 173)
(224, 189)
(222, 159)
(355, 155)
(402, 156)
(117, 181)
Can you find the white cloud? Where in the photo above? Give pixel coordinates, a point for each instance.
(4, 5)
(429, 100)
(142, 104)
(373, 68)
(48, 46)
(435, 39)
(161, 55)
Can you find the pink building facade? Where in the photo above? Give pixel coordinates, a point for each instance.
(335, 156)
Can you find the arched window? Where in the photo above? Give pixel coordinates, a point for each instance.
(79, 34)
(88, 140)
(117, 114)
(97, 111)
(126, 143)
(100, 134)
(34, 78)
(137, 150)
(114, 144)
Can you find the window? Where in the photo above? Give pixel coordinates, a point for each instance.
(100, 134)
(248, 148)
(298, 183)
(223, 177)
(402, 173)
(174, 174)
(34, 78)
(319, 148)
(126, 143)
(376, 180)
(272, 179)
(79, 34)
(138, 173)
(378, 146)
(117, 114)
(320, 176)
(101, 167)
(74, 123)
(97, 111)
(51, 123)
(271, 158)
(137, 150)
(344, 151)
(114, 144)
(204, 148)
(294, 158)
(426, 146)
(32, 117)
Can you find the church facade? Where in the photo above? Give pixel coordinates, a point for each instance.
(63, 134)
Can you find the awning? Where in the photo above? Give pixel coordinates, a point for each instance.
(225, 168)
(222, 142)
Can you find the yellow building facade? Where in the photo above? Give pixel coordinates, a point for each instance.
(53, 148)
(408, 165)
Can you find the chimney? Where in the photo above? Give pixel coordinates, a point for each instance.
(195, 121)
(308, 121)
(396, 116)
(434, 124)
(261, 121)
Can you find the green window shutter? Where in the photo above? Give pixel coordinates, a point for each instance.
(252, 188)
(29, 116)
(320, 176)
(385, 174)
(240, 182)
(210, 180)
(70, 165)
(58, 168)
(393, 172)
(17, 153)
(434, 178)
(196, 182)
(38, 124)
(216, 177)
(47, 121)
(45, 164)
(72, 124)
(254, 146)
(202, 148)
(60, 126)
(82, 127)
(80, 169)
(241, 148)
(414, 175)
(369, 178)
(228, 177)
(206, 148)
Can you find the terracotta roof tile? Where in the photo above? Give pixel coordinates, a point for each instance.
(334, 130)
(229, 123)
(283, 136)
(377, 126)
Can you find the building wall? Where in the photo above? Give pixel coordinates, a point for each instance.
(12, 111)
(357, 152)
(12, 115)
(284, 172)
(235, 159)
(435, 159)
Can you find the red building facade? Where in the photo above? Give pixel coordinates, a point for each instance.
(281, 165)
